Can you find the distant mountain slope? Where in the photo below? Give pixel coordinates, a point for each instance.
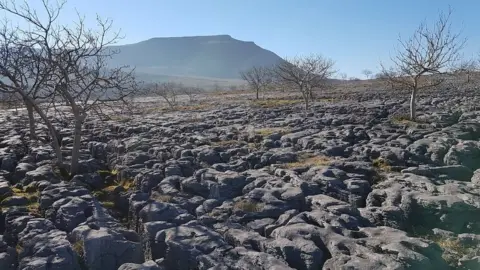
(202, 56)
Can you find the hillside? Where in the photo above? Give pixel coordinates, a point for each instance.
(221, 56)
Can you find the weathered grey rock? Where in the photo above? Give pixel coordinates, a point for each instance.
(148, 265)
(168, 212)
(298, 253)
(68, 213)
(44, 247)
(184, 244)
(8, 255)
(41, 173)
(105, 249)
(454, 172)
(465, 153)
(21, 169)
(90, 180)
(5, 189)
(146, 180)
(8, 162)
(240, 258)
(476, 177)
(209, 156)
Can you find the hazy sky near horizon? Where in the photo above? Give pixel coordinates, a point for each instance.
(357, 34)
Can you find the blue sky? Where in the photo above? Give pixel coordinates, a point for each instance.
(357, 34)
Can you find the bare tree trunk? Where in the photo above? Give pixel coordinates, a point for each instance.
(306, 95)
(77, 136)
(310, 93)
(258, 90)
(413, 106)
(51, 128)
(31, 120)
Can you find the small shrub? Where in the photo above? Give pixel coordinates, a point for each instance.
(248, 206)
(196, 107)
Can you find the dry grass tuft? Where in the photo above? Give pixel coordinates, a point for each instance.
(269, 131)
(195, 107)
(162, 197)
(79, 249)
(108, 204)
(308, 160)
(225, 143)
(127, 184)
(120, 118)
(274, 103)
(248, 206)
(454, 250)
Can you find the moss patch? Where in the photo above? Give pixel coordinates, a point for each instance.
(33, 206)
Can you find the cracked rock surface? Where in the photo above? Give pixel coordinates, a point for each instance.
(238, 186)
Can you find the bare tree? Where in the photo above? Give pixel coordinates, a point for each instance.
(73, 65)
(343, 76)
(305, 73)
(429, 51)
(467, 68)
(23, 74)
(368, 73)
(258, 79)
(216, 87)
(168, 91)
